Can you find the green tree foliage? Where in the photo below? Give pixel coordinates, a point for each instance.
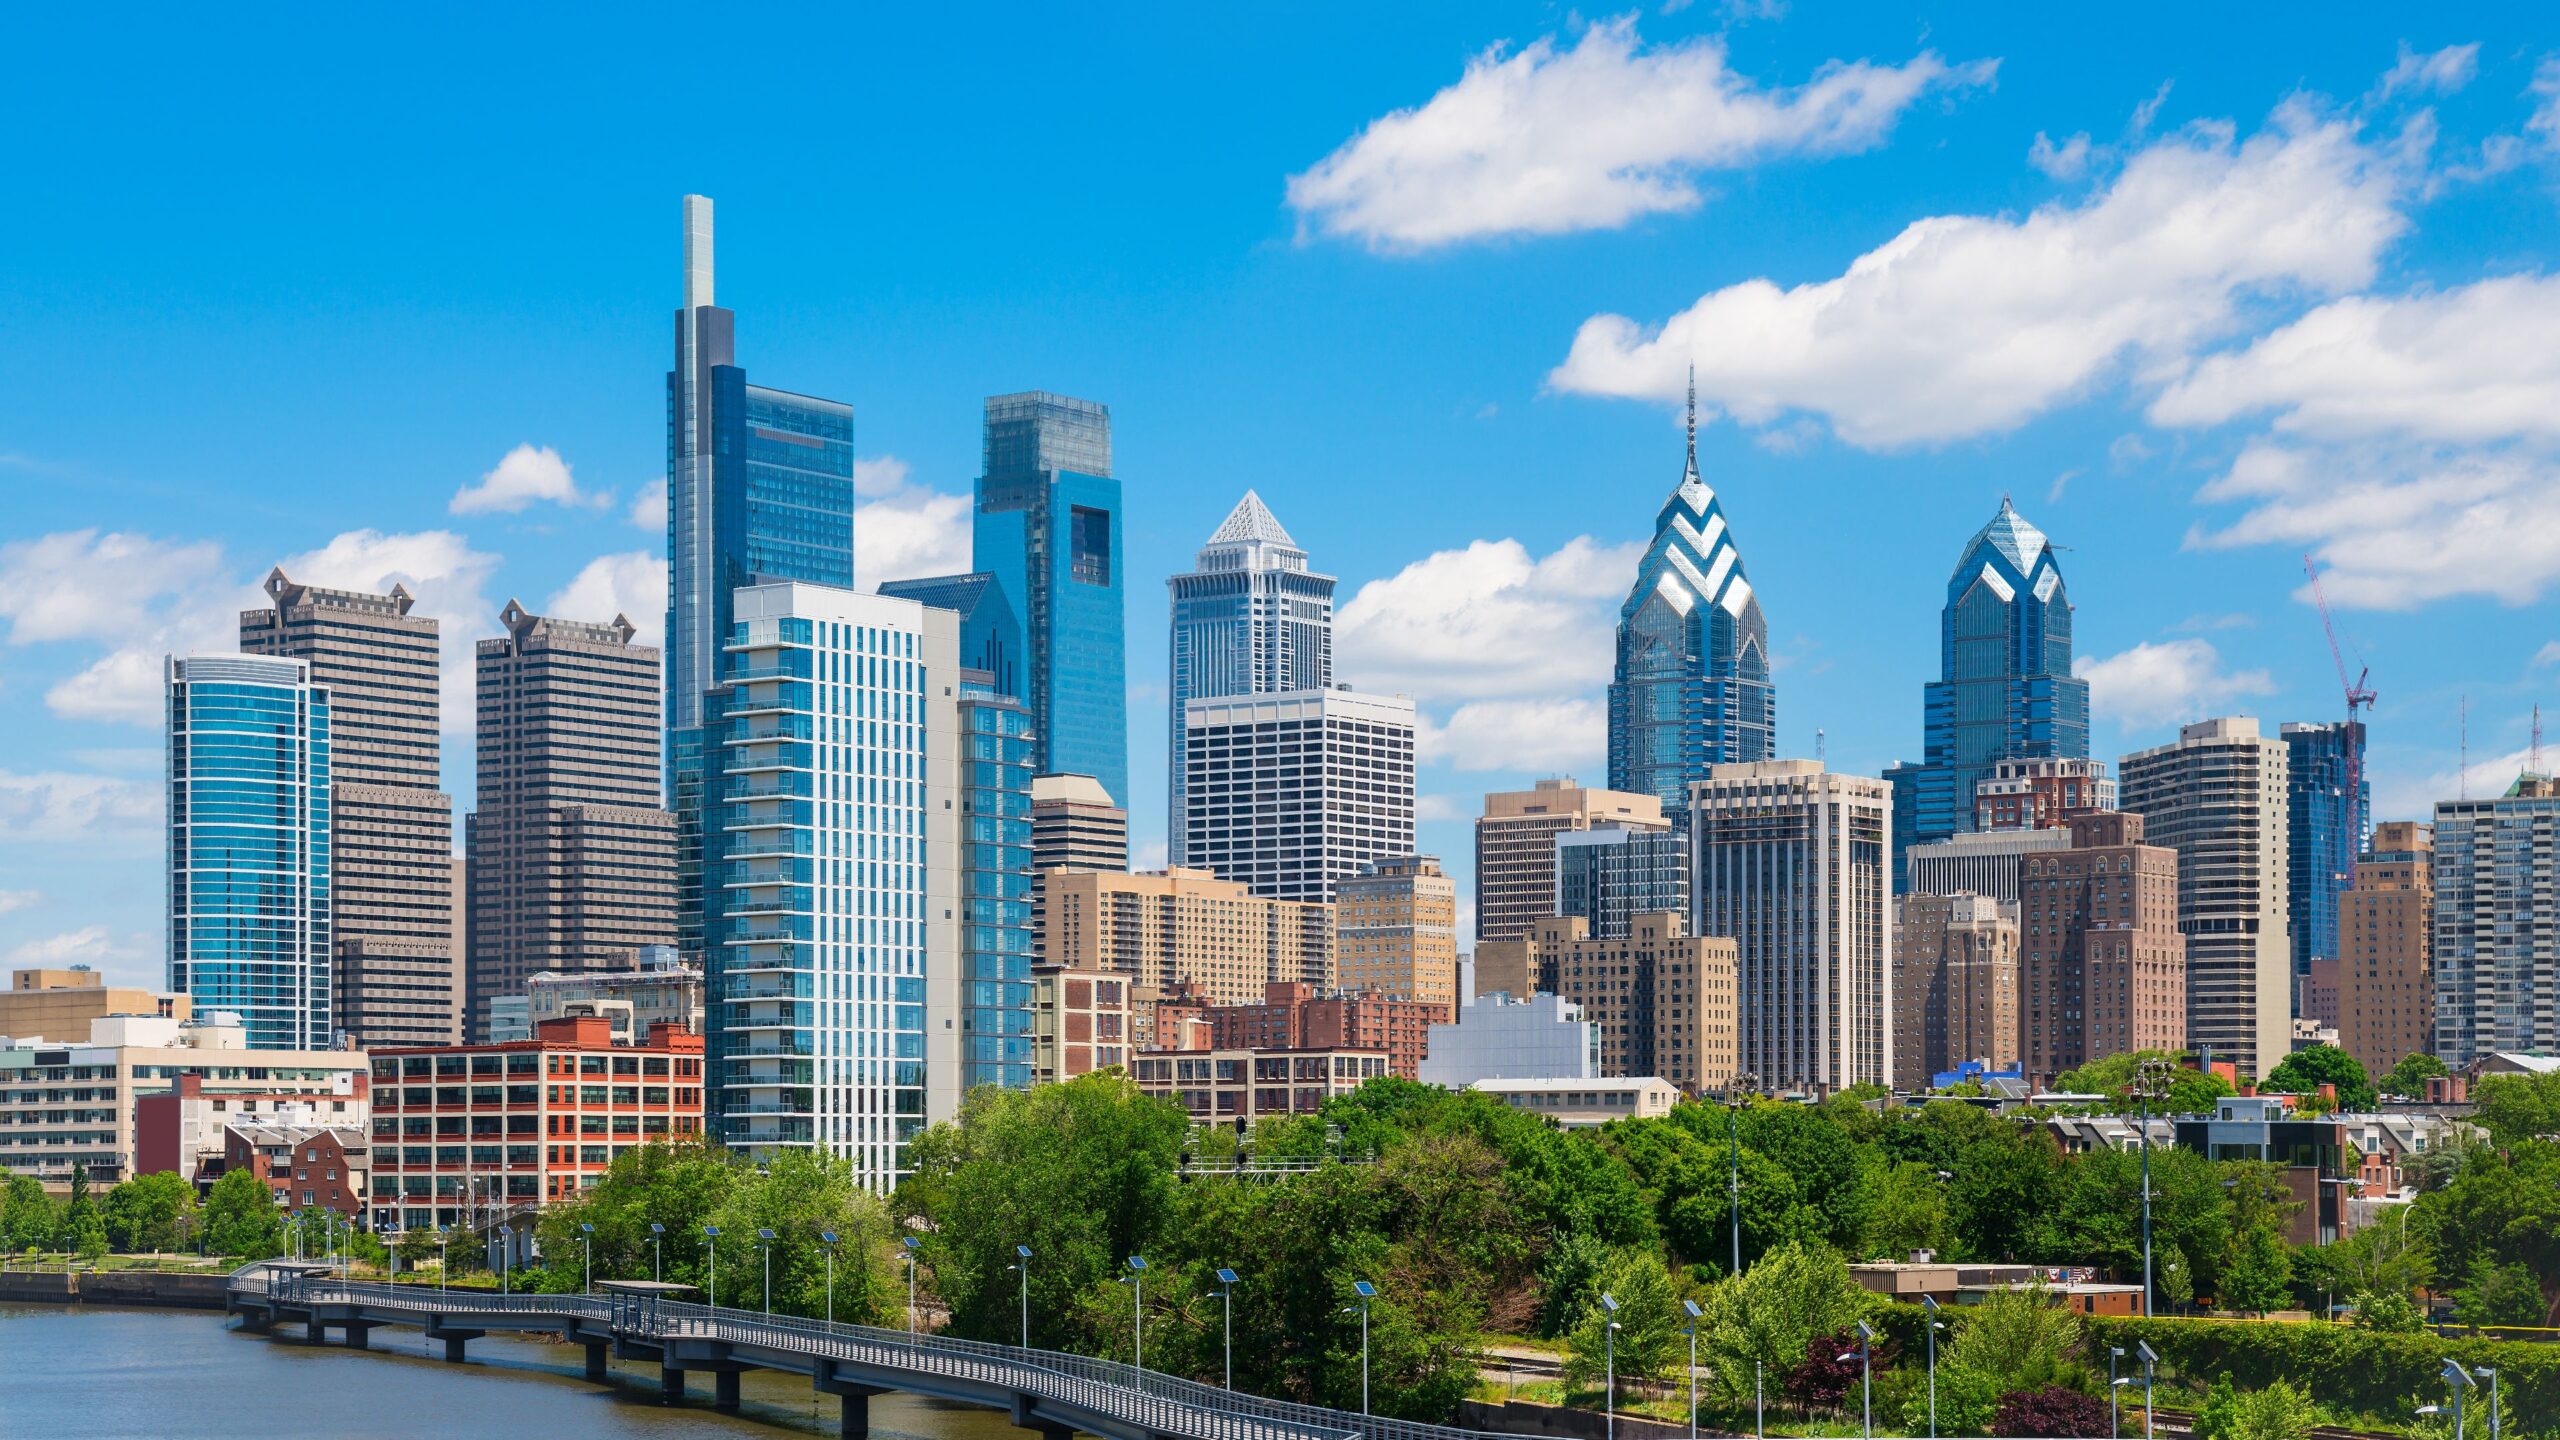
(1968, 1401)
(27, 1217)
(1909, 1212)
(2304, 1071)
(2190, 1091)
(2391, 1312)
(240, 1218)
(1811, 1146)
(144, 1213)
(1650, 1344)
(1686, 1170)
(2501, 1209)
(1771, 1315)
(2003, 1194)
(2021, 1339)
(2516, 1108)
(2352, 1371)
(681, 1186)
(2259, 1274)
(2494, 1294)
(2275, 1411)
(2409, 1078)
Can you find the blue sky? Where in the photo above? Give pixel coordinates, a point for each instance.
(388, 296)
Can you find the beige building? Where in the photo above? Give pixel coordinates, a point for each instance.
(59, 1004)
(1516, 847)
(1395, 932)
(1580, 1104)
(1073, 823)
(572, 862)
(2386, 919)
(2104, 967)
(1955, 985)
(395, 974)
(1661, 999)
(1168, 928)
(1082, 1020)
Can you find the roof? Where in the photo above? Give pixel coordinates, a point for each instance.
(1251, 521)
(2011, 535)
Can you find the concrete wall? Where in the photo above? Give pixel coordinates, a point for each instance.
(114, 1287)
(1523, 1417)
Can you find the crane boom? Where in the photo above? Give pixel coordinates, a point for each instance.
(2359, 696)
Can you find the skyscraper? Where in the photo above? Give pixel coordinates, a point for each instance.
(1610, 874)
(2104, 970)
(572, 863)
(2386, 973)
(1516, 846)
(1791, 862)
(1048, 529)
(1955, 985)
(1291, 792)
(2497, 921)
(249, 845)
(1252, 619)
(995, 884)
(397, 977)
(2325, 829)
(2005, 689)
(1692, 688)
(759, 488)
(2217, 797)
(1395, 931)
(1073, 823)
(990, 631)
(834, 938)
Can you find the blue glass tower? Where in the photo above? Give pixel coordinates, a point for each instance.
(2328, 815)
(759, 488)
(990, 628)
(995, 885)
(2006, 690)
(249, 861)
(1692, 687)
(1048, 529)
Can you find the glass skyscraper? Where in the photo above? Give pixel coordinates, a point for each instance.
(995, 886)
(2325, 830)
(1253, 619)
(1692, 688)
(990, 629)
(249, 861)
(759, 488)
(1048, 528)
(2005, 690)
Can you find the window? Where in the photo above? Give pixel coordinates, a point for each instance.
(1089, 545)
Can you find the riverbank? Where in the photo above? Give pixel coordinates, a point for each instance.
(160, 1289)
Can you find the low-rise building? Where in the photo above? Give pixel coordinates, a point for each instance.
(1581, 1103)
(1663, 1000)
(59, 1003)
(1241, 1086)
(2074, 1287)
(1083, 1019)
(1539, 1037)
(1298, 1017)
(308, 1167)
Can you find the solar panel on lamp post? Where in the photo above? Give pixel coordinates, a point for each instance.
(911, 1245)
(657, 1253)
(1023, 1264)
(711, 1237)
(1227, 1294)
(1692, 1332)
(586, 1258)
(827, 1242)
(764, 1242)
(1367, 1292)
(1609, 1391)
(1929, 1312)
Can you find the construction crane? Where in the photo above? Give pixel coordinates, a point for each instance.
(2359, 695)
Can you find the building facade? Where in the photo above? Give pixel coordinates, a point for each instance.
(2497, 922)
(2037, 794)
(996, 747)
(759, 489)
(251, 856)
(305, 1167)
(1292, 1015)
(1691, 686)
(1238, 1087)
(990, 631)
(1083, 1020)
(1395, 931)
(1791, 860)
(1181, 927)
(2004, 690)
(1516, 846)
(1292, 792)
(50, 1004)
(1609, 875)
(1250, 619)
(1982, 862)
(2386, 934)
(2217, 796)
(661, 991)
(2328, 814)
(2105, 967)
(1955, 986)
(1048, 528)
(834, 863)
(1512, 1037)
(1662, 1000)
(572, 864)
(1073, 824)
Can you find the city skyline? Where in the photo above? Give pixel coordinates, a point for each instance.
(1517, 499)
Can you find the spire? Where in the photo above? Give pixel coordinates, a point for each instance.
(1693, 417)
(1250, 521)
(697, 251)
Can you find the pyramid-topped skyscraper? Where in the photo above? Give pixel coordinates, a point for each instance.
(1691, 689)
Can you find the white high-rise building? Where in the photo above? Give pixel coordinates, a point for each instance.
(2217, 797)
(1253, 619)
(1790, 860)
(832, 871)
(1288, 793)
(2497, 922)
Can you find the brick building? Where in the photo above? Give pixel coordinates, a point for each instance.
(1955, 985)
(1241, 1086)
(308, 1167)
(1663, 1000)
(2386, 926)
(1294, 1016)
(2103, 964)
(1082, 1020)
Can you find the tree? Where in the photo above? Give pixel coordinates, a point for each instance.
(26, 1215)
(2001, 1201)
(2020, 1339)
(1827, 1374)
(1650, 1345)
(2051, 1411)
(79, 1214)
(2389, 1312)
(2494, 1294)
(2516, 1108)
(2276, 1411)
(1909, 1213)
(2409, 1078)
(240, 1218)
(2191, 1092)
(1769, 1316)
(1968, 1401)
(2258, 1276)
(2304, 1071)
(143, 1213)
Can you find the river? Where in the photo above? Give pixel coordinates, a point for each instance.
(79, 1371)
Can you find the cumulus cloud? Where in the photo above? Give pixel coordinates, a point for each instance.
(1488, 621)
(125, 958)
(527, 475)
(2544, 125)
(19, 899)
(1966, 325)
(2549, 654)
(55, 806)
(632, 584)
(2439, 72)
(2166, 681)
(94, 585)
(903, 531)
(2410, 790)
(1553, 139)
(2066, 161)
(1551, 734)
(878, 475)
(649, 507)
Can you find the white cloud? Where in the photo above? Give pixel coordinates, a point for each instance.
(1488, 621)
(649, 507)
(1430, 808)
(448, 579)
(1550, 140)
(524, 476)
(2440, 72)
(57, 806)
(124, 959)
(2165, 682)
(2545, 121)
(1549, 735)
(2549, 654)
(2407, 792)
(632, 584)
(2066, 161)
(19, 899)
(1965, 325)
(88, 585)
(903, 531)
(878, 475)
(2469, 364)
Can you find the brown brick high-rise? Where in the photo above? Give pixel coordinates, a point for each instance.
(1955, 985)
(2103, 965)
(2386, 920)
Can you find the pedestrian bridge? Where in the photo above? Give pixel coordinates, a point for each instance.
(1044, 1390)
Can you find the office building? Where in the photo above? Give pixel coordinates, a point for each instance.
(1395, 931)
(1048, 528)
(470, 1134)
(2497, 922)
(1292, 792)
(1083, 1020)
(1981, 862)
(2217, 796)
(1661, 999)
(572, 864)
(1791, 860)
(834, 867)
(60, 1003)
(1955, 986)
(1250, 619)
(2039, 794)
(1516, 846)
(1508, 1037)
(2386, 933)
(2004, 690)
(1609, 875)
(990, 631)
(109, 1098)
(661, 990)
(1691, 688)
(759, 490)
(1176, 927)
(2105, 963)
(1293, 1015)
(2328, 813)
(1073, 824)
(251, 859)
(995, 885)
(1237, 1087)
(395, 974)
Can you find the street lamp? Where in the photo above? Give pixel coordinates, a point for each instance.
(827, 1242)
(1138, 1313)
(711, 1238)
(1023, 1264)
(911, 1245)
(1227, 1293)
(2490, 1374)
(444, 1240)
(2150, 1083)
(2150, 1357)
(1609, 1396)
(2115, 1388)
(1367, 1292)
(1929, 1312)
(2457, 1380)
(1733, 1102)
(587, 1257)
(1867, 1380)
(764, 1242)
(506, 1260)
(657, 1252)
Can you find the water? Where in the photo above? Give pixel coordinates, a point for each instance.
(78, 1371)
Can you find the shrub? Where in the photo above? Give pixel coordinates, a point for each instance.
(2276, 1412)
(2050, 1412)
(1968, 1401)
(1822, 1380)
(2352, 1370)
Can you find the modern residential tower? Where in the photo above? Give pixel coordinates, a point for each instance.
(2497, 922)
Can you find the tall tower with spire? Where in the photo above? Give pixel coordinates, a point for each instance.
(1691, 688)
(1252, 619)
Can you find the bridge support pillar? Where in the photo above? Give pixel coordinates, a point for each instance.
(724, 1389)
(453, 1349)
(595, 1360)
(315, 1332)
(358, 1334)
(853, 1419)
(670, 1385)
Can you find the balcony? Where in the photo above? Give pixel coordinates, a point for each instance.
(794, 901)
(780, 785)
(797, 727)
(773, 847)
(770, 1049)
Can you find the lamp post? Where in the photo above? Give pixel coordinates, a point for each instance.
(587, 1257)
(2151, 1082)
(657, 1252)
(2115, 1388)
(1733, 1103)
(444, 1241)
(2150, 1357)
(911, 1245)
(1138, 1313)
(1929, 1312)
(2490, 1374)
(1866, 1380)
(1023, 1264)
(1367, 1292)
(764, 1242)
(827, 1242)
(1692, 1332)
(1609, 1395)
(2457, 1380)
(1227, 1294)
(711, 1237)
(506, 1260)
